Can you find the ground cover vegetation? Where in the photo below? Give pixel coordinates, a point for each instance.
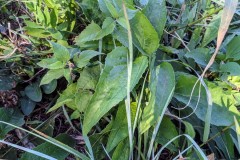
(113, 79)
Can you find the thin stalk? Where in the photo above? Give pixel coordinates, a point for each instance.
(129, 69)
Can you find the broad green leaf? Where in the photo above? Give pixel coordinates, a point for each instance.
(223, 108)
(50, 87)
(189, 130)
(51, 149)
(89, 78)
(162, 85)
(37, 32)
(67, 97)
(51, 63)
(111, 87)
(108, 8)
(202, 56)
(120, 126)
(122, 151)
(164, 137)
(84, 57)
(27, 106)
(211, 30)
(82, 100)
(232, 68)
(107, 28)
(33, 91)
(88, 34)
(51, 75)
(61, 53)
(156, 12)
(233, 49)
(11, 116)
(145, 37)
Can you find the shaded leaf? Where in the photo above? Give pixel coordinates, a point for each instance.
(12, 116)
(33, 91)
(50, 87)
(27, 106)
(51, 149)
(233, 49)
(232, 68)
(120, 126)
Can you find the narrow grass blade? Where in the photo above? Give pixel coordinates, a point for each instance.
(237, 131)
(129, 67)
(194, 144)
(28, 150)
(51, 140)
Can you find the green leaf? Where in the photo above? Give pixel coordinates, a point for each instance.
(156, 12)
(27, 106)
(164, 137)
(37, 32)
(162, 85)
(233, 49)
(51, 63)
(120, 126)
(51, 75)
(33, 91)
(50, 87)
(67, 97)
(232, 68)
(61, 53)
(211, 30)
(88, 34)
(223, 108)
(111, 87)
(82, 100)
(9, 115)
(145, 37)
(107, 28)
(83, 59)
(89, 78)
(108, 8)
(52, 150)
(122, 151)
(201, 56)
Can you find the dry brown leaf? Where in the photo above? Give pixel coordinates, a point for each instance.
(211, 157)
(229, 9)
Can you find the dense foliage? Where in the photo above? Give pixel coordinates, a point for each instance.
(113, 79)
